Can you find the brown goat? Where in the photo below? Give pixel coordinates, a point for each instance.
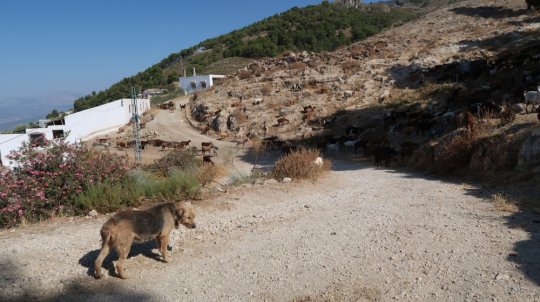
(207, 159)
(206, 147)
(281, 121)
(470, 121)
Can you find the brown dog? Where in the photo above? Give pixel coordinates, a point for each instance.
(156, 222)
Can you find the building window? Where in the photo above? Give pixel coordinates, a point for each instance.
(193, 85)
(58, 133)
(37, 139)
(203, 84)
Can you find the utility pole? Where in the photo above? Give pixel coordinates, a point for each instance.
(136, 126)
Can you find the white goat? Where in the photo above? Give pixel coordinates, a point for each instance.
(533, 98)
(318, 161)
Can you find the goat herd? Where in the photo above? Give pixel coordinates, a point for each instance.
(406, 126)
(207, 151)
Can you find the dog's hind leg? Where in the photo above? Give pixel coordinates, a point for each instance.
(122, 249)
(102, 254)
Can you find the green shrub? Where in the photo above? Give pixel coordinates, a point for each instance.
(107, 197)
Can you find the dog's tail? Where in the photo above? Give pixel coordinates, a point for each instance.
(105, 236)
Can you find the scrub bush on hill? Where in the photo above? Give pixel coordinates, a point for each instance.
(48, 179)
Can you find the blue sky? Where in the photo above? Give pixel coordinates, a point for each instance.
(61, 49)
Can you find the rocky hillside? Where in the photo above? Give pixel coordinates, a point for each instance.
(410, 83)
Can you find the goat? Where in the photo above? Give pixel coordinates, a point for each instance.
(288, 149)
(242, 142)
(121, 144)
(308, 108)
(385, 154)
(207, 159)
(182, 106)
(143, 144)
(290, 102)
(155, 142)
(318, 161)
(166, 144)
(179, 145)
(469, 121)
(208, 147)
(281, 121)
(533, 98)
(257, 101)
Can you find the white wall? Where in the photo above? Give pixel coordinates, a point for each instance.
(110, 116)
(9, 142)
(81, 125)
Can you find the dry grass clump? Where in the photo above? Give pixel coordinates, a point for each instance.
(300, 164)
(257, 146)
(241, 118)
(323, 90)
(244, 74)
(503, 203)
(266, 90)
(455, 153)
(273, 105)
(351, 67)
(182, 160)
(208, 173)
(297, 65)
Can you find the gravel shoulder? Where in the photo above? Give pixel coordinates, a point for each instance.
(359, 234)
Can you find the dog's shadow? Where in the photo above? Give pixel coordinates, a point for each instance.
(145, 249)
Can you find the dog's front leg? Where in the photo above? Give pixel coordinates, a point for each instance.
(163, 241)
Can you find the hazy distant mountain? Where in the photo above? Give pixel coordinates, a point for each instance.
(22, 110)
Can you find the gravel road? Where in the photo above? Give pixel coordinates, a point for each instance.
(359, 234)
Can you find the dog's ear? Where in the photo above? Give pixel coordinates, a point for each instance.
(179, 212)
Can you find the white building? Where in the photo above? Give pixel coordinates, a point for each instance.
(78, 126)
(149, 93)
(198, 82)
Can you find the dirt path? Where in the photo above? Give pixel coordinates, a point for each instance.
(174, 126)
(361, 234)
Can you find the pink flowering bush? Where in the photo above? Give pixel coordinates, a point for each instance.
(49, 178)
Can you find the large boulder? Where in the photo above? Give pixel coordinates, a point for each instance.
(219, 124)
